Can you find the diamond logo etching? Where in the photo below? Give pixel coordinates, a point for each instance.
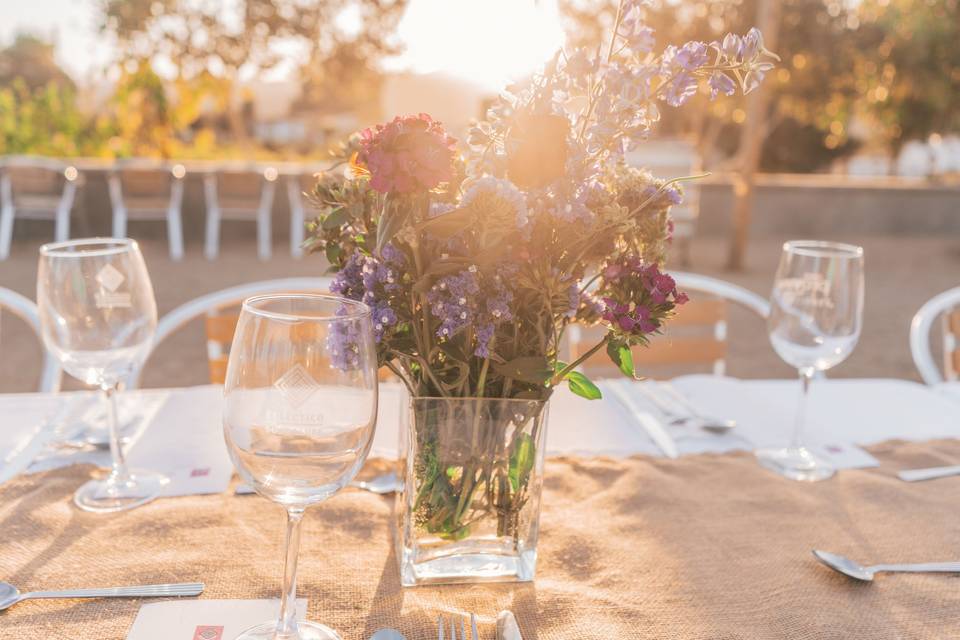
(110, 279)
(296, 387)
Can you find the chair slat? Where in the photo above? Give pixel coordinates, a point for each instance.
(700, 312)
(218, 370)
(221, 328)
(953, 322)
(144, 182)
(34, 180)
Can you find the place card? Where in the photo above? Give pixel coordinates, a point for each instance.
(204, 619)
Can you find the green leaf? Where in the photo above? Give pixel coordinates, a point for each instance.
(521, 462)
(532, 369)
(332, 252)
(449, 224)
(581, 385)
(335, 219)
(391, 222)
(621, 356)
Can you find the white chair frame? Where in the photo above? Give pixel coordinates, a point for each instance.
(297, 216)
(51, 376)
(205, 304)
(920, 327)
(720, 289)
(215, 213)
(61, 216)
(172, 214)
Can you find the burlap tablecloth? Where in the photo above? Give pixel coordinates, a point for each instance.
(709, 546)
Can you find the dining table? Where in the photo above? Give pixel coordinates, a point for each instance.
(707, 545)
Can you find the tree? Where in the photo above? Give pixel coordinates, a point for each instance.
(197, 38)
(30, 59)
(908, 70)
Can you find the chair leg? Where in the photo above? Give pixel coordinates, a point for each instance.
(212, 241)
(175, 221)
(119, 229)
(62, 229)
(296, 218)
(6, 216)
(6, 230)
(263, 220)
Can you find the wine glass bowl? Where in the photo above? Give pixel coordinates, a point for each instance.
(300, 406)
(816, 315)
(98, 317)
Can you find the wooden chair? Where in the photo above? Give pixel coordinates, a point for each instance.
(143, 193)
(696, 336)
(668, 159)
(51, 375)
(36, 189)
(219, 311)
(243, 195)
(946, 307)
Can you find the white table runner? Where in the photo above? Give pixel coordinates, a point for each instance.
(181, 434)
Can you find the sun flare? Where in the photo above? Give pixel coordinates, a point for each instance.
(488, 42)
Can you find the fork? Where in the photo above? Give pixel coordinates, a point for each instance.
(453, 629)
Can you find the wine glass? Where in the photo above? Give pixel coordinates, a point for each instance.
(816, 313)
(98, 316)
(299, 414)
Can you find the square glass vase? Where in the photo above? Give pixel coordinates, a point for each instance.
(469, 509)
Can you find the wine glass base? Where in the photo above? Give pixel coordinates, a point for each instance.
(796, 464)
(305, 631)
(109, 494)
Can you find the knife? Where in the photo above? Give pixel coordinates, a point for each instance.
(507, 627)
(916, 475)
(652, 426)
(19, 459)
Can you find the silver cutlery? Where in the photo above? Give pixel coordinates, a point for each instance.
(453, 629)
(850, 568)
(696, 417)
(387, 634)
(507, 627)
(381, 485)
(645, 420)
(931, 473)
(10, 595)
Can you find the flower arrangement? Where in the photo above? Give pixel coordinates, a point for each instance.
(475, 265)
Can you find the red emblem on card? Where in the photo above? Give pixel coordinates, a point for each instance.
(197, 473)
(207, 632)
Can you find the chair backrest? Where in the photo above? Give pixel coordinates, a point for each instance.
(145, 183)
(696, 336)
(220, 317)
(25, 309)
(946, 307)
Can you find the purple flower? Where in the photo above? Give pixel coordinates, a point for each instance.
(638, 297)
(721, 83)
(467, 299)
(343, 342)
(638, 35)
(680, 89)
(372, 281)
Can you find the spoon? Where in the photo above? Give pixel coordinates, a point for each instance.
(850, 568)
(10, 595)
(387, 634)
(382, 484)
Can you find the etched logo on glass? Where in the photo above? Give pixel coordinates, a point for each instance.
(110, 280)
(296, 387)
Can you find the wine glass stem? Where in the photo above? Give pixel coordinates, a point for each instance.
(287, 625)
(806, 377)
(118, 458)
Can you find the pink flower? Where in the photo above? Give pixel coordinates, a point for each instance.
(411, 153)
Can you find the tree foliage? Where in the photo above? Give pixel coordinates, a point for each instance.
(892, 64)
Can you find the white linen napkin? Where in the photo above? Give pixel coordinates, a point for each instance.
(204, 619)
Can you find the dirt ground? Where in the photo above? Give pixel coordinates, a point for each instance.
(902, 273)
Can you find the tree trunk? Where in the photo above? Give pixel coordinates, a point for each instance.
(751, 143)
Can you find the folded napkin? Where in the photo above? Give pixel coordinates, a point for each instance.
(204, 619)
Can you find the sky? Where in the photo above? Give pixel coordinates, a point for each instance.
(484, 41)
